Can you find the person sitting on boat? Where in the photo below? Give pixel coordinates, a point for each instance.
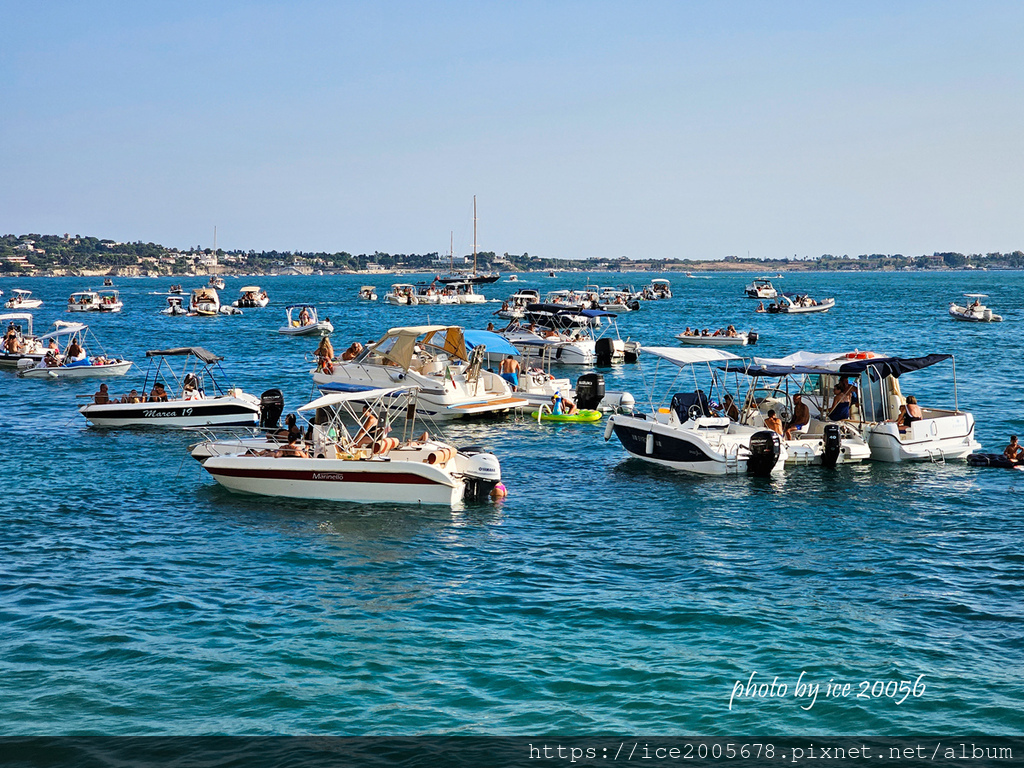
(352, 352)
(158, 394)
(132, 397)
(773, 422)
(730, 332)
(368, 429)
(293, 450)
(191, 390)
(801, 416)
(719, 332)
(303, 316)
(901, 420)
(490, 327)
(729, 409)
(841, 400)
(509, 370)
(12, 344)
(914, 412)
(1013, 453)
(51, 359)
(102, 397)
(976, 304)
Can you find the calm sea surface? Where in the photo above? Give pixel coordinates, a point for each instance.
(138, 597)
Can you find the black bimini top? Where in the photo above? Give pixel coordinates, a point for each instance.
(203, 354)
(885, 366)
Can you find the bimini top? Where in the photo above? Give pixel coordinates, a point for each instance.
(690, 355)
(64, 328)
(203, 354)
(496, 345)
(402, 349)
(337, 398)
(851, 363)
(249, 289)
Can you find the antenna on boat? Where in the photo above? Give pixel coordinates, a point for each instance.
(215, 238)
(451, 253)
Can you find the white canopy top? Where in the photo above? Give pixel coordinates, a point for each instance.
(21, 291)
(63, 328)
(336, 398)
(248, 288)
(801, 358)
(16, 316)
(976, 295)
(690, 355)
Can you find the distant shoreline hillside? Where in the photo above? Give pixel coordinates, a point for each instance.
(59, 255)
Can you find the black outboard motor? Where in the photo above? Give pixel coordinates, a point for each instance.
(271, 407)
(765, 450)
(589, 391)
(605, 350)
(752, 337)
(833, 446)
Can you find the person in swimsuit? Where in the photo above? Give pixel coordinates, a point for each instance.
(773, 422)
(1013, 452)
(843, 397)
(509, 370)
(801, 416)
(913, 411)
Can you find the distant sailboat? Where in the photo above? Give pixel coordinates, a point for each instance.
(469, 277)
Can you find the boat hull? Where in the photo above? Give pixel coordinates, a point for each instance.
(714, 341)
(314, 329)
(175, 414)
(365, 482)
(77, 371)
(936, 440)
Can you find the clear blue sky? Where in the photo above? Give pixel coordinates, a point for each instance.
(639, 129)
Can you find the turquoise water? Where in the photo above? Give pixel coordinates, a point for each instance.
(138, 597)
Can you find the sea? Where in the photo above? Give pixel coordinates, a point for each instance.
(137, 597)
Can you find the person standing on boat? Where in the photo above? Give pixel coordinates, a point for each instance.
(841, 401)
(325, 356)
(509, 370)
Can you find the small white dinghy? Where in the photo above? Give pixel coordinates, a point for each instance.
(251, 297)
(304, 322)
(975, 312)
(729, 337)
(174, 306)
(22, 299)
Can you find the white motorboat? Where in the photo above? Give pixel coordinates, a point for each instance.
(204, 303)
(658, 288)
(565, 335)
(761, 288)
(337, 465)
(402, 294)
(514, 307)
(108, 282)
(76, 362)
(464, 293)
(727, 337)
(451, 378)
(19, 341)
(688, 435)
(110, 301)
(975, 312)
(176, 290)
(513, 278)
(84, 301)
(304, 322)
(189, 406)
(217, 283)
(251, 297)
(940, 434)
(820, 441)
(22, 299)
(797, 304)
(174, 306)
(616, 300)
(368, 293)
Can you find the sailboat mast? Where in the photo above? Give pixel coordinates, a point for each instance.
(451, 253)
(474, 235)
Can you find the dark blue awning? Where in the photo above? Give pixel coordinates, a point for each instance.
(892, 366)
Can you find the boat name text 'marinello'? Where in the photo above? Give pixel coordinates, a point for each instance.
(337, 476)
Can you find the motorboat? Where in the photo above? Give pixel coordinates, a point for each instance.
(19, 342)
(538, 386)
(108, 283)
(797, 304)
(110, 301)
(349, 464)
(194, 396)
(174, 306)
(658, 288)
(176, 289)
(451, 377)
(22, 299)
(688, 435)
(878, 404)
(302, 320)
(368, 293)
(76, 362)
(566, 336)
(217, 283)
(618, 300)
(251, 297)
(724, 337)
(84, 301)
(821, 441)
(760, 288)
(513, 278)
(204, 303)
(514, 307)
(975, 312)
(402, 294)
(464, 293)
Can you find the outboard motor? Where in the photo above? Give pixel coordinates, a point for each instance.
(480, 472)
(752, 337)
(765, 450)
(590, 391)
(271, 407)
(605, 350)
(833, 446)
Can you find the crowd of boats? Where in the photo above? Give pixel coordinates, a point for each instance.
(369, 433)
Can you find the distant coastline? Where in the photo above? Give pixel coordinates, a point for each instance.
(82, 256)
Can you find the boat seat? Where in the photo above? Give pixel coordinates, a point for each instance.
(431, 368)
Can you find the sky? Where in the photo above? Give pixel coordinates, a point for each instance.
(585, 129)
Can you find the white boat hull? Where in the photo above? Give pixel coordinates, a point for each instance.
(77, 371)
(27, 304)
(935, 439)
(322, 328)
(401, 482)
(978, 315)
(740, 340)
